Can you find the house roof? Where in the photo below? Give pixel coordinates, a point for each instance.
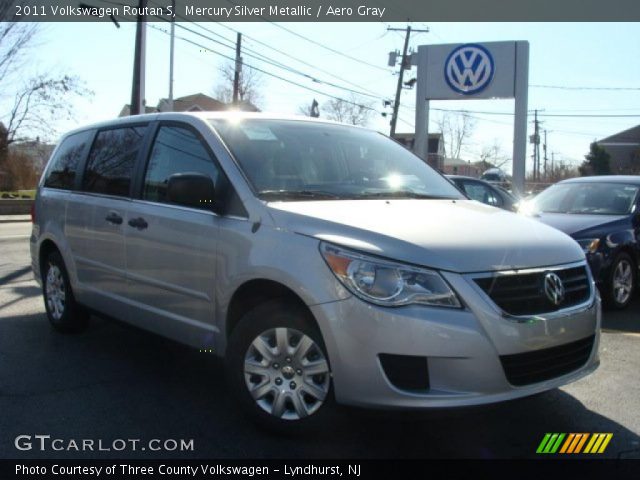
(198, 102)
(629, 136)
(126, 110)
(457, 162)
(410, 136)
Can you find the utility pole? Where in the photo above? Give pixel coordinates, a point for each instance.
(404, 64)
(171, 48)
(544, 149)
(137, 87)
(535, 140)
(236, 75)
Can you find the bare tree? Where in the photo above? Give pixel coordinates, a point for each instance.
(456, 132)
(562, 170)
(38, 101)
(354, 110)
(15, 38)
(250, 86)
(493, 156)
(33, 103)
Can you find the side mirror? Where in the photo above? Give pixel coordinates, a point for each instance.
(191, 190)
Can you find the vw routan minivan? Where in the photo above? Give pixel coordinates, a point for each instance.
(324, 262)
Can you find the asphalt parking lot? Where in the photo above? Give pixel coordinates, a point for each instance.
(117, 382)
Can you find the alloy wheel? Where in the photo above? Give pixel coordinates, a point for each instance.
(55, 292)
(622, 281)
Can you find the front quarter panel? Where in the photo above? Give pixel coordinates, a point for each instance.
(256, 251)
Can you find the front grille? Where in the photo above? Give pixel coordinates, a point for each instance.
(523, 293)
(532, 367)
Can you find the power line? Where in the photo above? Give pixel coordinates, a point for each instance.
(293, 58)
(260, 56)
(337, 52)
(366, 107)
(566, 115)
(271, 61)
(280, 65)
(566, 87)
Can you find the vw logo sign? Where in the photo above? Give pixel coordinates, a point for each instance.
(469, 69)
(553, 288)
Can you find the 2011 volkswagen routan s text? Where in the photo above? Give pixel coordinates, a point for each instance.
(323, 261)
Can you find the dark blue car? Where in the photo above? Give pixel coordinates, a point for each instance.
(603, 215)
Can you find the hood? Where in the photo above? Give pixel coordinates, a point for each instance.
(456, 235)
(573, 224)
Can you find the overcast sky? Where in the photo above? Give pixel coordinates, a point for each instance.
(598, 55)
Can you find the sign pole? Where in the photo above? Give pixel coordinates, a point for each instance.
(520, 116)
(420, 143)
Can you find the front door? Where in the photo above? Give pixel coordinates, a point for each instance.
(170, 248)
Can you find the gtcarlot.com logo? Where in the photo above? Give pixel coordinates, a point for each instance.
(574, 443)
(46, 443)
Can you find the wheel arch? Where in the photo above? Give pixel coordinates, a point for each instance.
(47, 247)
(254, 292)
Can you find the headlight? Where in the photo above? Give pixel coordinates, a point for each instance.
(589, 245)
(388, 283)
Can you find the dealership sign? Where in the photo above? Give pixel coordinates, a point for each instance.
(469, 69)
(472, 71)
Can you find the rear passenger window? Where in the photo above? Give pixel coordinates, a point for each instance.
(176, 150)
(112, 160)
(64, 164)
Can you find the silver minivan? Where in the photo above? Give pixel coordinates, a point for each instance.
(324, 262)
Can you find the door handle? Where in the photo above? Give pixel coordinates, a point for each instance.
(114, 218)
(139, 223)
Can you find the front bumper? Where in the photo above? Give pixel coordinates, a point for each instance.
(462, 347)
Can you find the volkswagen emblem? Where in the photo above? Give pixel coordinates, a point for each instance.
(553, 288)
(469, 69)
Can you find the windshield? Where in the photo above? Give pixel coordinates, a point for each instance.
(586, 198)
(289, 160)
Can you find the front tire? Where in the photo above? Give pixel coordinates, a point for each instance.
(64, 314)
(622, 281)
(277, 367)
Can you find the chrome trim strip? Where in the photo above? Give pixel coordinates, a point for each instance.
(525, 271)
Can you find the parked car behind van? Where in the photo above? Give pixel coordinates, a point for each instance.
(322, 261)
(485, 192)
(602, 213)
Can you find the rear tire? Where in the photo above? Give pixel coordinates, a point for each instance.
(64, 314)
(621, 283)
(278, 369)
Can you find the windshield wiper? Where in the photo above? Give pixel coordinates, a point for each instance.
(304, 194)
(404, 194)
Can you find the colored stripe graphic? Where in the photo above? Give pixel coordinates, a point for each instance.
(543, 443)
(567, 443)
(550, 443)
(581, 443)
(574, 443)
(591, 442)
(606, 441)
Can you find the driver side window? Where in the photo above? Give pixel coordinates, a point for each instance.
(175, 150)
(482, 193)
